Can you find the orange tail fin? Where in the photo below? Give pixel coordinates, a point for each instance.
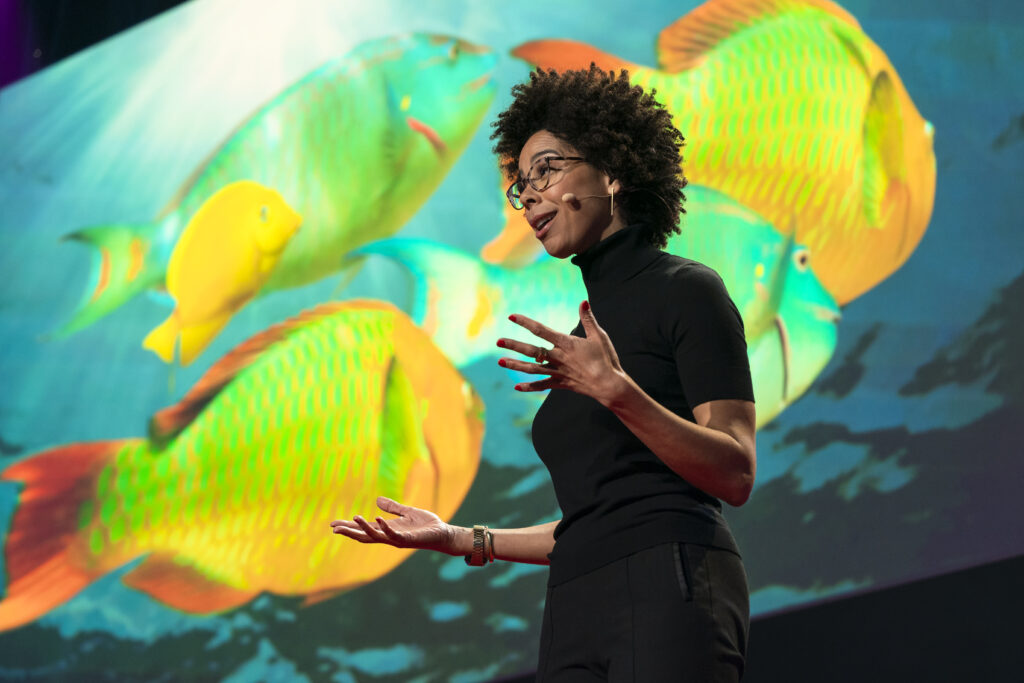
(564, 55)
(43, 568)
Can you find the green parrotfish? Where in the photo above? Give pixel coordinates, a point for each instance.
(233, 491)
(355, 147)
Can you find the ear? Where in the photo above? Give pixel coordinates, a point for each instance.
(614, 186)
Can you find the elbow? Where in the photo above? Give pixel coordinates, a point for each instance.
(740, 493)
(742, 486)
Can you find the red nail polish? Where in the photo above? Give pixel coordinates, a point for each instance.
(502, 362)
(512, 318)
(586, 305)
(501, 343)
(518, 387)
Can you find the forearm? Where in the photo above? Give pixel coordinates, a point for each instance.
(530, 545)
(711, 459)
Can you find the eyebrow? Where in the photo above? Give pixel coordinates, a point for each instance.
(534, 158)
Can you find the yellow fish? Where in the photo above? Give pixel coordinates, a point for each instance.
(225, 254)
(232, 492)
(791, 109)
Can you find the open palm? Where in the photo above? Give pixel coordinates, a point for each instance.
(412, 528)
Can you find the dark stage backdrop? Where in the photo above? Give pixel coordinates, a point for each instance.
(256, 255)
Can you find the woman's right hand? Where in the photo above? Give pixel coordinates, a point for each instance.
(413, 528)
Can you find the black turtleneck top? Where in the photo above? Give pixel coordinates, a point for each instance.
(679, 336)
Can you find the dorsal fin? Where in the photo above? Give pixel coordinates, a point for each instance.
(169, 422)
(566, 55)
(683, 43)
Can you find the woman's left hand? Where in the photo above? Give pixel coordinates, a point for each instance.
(587, 365)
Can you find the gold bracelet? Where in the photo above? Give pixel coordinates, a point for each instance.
(477, 558)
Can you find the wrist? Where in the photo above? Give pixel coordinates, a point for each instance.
(461, 541)
(617, 389)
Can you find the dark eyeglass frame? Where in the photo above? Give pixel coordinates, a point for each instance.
(515, 190)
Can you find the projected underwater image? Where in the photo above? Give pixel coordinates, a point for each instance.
(257, 255)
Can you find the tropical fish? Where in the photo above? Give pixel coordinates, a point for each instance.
(231, 494)
(224, 255)
(355, 147)
(787, 358)
(789, 108)
(462, 303)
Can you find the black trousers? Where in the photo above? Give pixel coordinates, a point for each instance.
(674, 612)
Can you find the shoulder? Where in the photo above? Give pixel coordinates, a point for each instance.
(694, 295)
(688, 278)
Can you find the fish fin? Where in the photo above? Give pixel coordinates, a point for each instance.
(787, 363)
(429, 133)
(169, 422)
(403, 444)
(162, 339)
(882, 163)
(683, 44)
(195, 338)
(43, 568)
(515, 246)
(122, 266)
(183, 587)
(562, 55)
(321, 596)
(782, 269)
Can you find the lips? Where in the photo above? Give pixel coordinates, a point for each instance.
(537, 222)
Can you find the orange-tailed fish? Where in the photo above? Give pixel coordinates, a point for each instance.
(224, 255)
(791, 109)
(231, 494)
(355, 147)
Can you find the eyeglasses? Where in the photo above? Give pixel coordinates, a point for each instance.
(542, 175)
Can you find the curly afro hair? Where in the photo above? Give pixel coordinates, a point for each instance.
(617, 127)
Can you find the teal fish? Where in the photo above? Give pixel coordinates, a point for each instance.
(462, 302)
(787, 358)
(355, 147)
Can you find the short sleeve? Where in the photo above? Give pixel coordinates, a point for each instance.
(706, 332)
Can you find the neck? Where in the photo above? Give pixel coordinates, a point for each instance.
(617, 223)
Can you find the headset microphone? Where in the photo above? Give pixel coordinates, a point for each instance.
(570, 197)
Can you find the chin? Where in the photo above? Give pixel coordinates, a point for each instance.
(557, 252)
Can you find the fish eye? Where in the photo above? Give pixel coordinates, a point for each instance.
(802, 258)
(264, 213)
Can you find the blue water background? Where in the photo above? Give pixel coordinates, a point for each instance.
(111, 133)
